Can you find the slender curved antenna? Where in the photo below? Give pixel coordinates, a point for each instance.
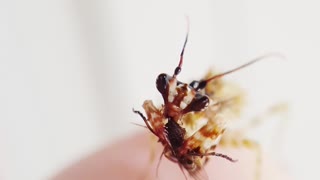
(221, 155)
(202, 84)
(214, 154)
(184, 174)
(136, 124)
(178, 68)
(158, 165)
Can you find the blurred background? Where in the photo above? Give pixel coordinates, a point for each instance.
(71, 72)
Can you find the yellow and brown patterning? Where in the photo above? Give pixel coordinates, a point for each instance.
(192, 119)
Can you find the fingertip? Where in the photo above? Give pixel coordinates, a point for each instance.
(123, 159)
(136, 157)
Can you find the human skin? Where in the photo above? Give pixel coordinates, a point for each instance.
(130, 158)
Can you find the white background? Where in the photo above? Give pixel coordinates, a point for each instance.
(71, 71)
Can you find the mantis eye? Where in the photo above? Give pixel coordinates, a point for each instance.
(194, 84)
(162, 83)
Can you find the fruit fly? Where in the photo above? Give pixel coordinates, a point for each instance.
(189, 124)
